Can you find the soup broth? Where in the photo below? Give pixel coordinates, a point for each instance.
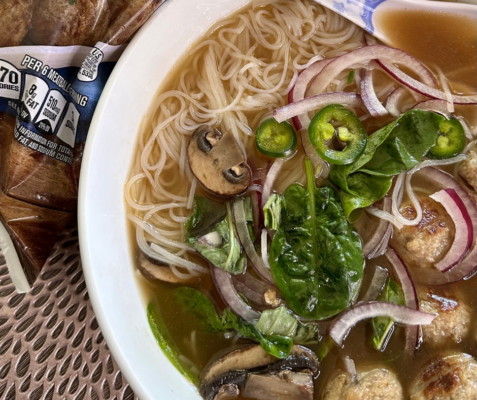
(245, 67)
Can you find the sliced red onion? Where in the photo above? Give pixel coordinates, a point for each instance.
(226, 288)
(437, 106)
(270, 179)
(403, 315)
(464, 232)
(256, 213)
(370, 100)
(468, 266)
(387, 56)
(253, 283)
(316, 102)
(253, 296)
(264, 248)
(244, 237)
(385, 242)
(376, 239)
(393, 100)
(320, 167)
(377, 284)
(413, 334)
(300, 88)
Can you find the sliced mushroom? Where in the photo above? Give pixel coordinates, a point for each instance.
(157, 272)
(286, 385)
(217, 162)
(227, 392)
(242, 366)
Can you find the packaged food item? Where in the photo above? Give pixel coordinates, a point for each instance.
(55, 59)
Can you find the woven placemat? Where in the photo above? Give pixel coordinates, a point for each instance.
(51, 346)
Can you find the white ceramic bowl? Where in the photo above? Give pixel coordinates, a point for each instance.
(105, 249)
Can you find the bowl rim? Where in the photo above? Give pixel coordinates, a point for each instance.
(102, 221)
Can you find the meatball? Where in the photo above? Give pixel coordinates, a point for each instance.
(453, 322)
(426, 243)
(15, 17)
(447, 378)
(468, 171)
(377, 384)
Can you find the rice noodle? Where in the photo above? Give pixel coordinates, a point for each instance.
(398, 193)
(384, 215)
(468, 133)
(233, 79)
(446, 90)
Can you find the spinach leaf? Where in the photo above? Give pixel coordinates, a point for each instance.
(196, 303)
(165, 341)
(223, 253)
(276, 345)
(383, 326)
(389, 151)
(408, 139)
(316, 257)
(198, 306)
(280, 321)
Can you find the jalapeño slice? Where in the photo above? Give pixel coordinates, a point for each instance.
(275, 139)
(350, 131)
(450, 141)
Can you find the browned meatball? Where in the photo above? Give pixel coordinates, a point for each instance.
(454, 319)
(15, 17)
(377, 384)
(426, 243)
(468, 171)
(127, 16)
(447, 378)
(65, 23)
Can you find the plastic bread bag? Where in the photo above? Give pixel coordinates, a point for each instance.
(55, 59)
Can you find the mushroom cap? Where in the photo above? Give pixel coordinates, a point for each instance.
(217, 162)
(157, 272)
(236, 366)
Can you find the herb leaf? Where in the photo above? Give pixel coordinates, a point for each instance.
(208, 217)
(383, 326)
(316, 257)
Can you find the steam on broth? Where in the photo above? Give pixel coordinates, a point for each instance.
(254, 235)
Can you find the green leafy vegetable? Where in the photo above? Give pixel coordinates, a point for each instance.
(166, 342)
(280, 321)
(316, 257)
(196, 303)
(199, 307)
(272, 211)
(207, 218)
(383, 326)
(276, 345)
(389, 151)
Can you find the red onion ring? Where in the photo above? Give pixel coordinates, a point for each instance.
(393, 100)
(370, 99)
(244, 237)
(253, 283)
(312, 103)
(299, 90)
(379, 236)
(270, 179)
(437, 106)
(464, 231)
(404, 315)
(226, 288)
(468, 266)
(413, 334)
(377, 284)
(253, 296)
(256, 213)
(386, 56)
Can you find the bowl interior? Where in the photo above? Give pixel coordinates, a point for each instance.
(105, 248)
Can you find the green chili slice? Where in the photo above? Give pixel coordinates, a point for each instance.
(349, 130)
(451, 140)
(275, 139)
